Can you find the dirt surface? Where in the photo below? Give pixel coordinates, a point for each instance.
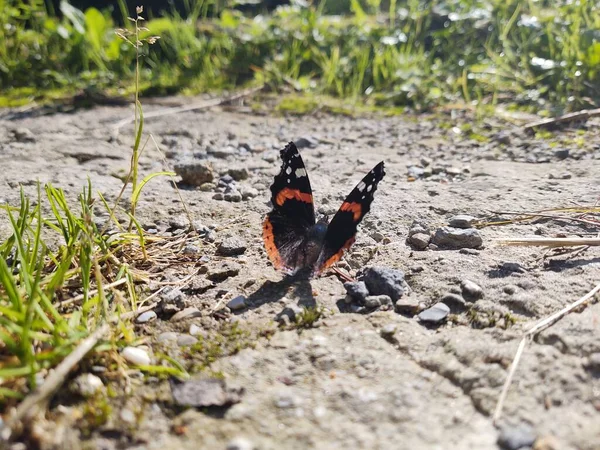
(354, 381)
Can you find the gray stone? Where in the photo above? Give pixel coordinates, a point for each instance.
(146, 317)
(225, 180)
(187, 313)
(436, 314)
(377, 236)
(471, 291)
(167, 336)
(221, 153)
(185, 340)
(234, 196)
(385, 281)
(419, 241)
(306, 142)
(178, 223)
(502, 137)
(194, 173)
(510, 266)
(204, 392)
(516, 437)
(207, 187)
(455, 238)
(388, 330)
(418, 226)
(357, 290)
(415, 172)
(561, 153)
(408, 305)
(191, 249)
(239, 174)
(375, 301)
(455, 302)
(219, 196)
(462, 221)
(231, 246)
(248, 192)
(237, 303)
(195, 330)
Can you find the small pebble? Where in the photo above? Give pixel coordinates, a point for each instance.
(408, 305)
(127, 416)
(389, 330)
(419, 241)
(456, 238)
(187, 313)
(375, 301)
(195, 330)
(167, 336)
(23, 134)
(357, 290)
(146, 317)
(239, 174)
(377, 236)
(455, 302)
(385, 281)
(462, 221)
(237, 303)
(471, 291)
(289, 314)
(178, 223)
(232, 246)
(194, 173)
(136, 355)
(233, 196)
(516, 437)
(207, 187)
(191, 249)
(87, 385)
(248, 192)
(436, 314)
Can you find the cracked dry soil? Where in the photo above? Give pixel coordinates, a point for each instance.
(342, 384)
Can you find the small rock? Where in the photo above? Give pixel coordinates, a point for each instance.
(408, 305)
(207, 187)
(167, 336)
(306, 142)
(593, 362)
(194, 173)
(146, 317)
(195, 330)
(385, 281)
(512, 267)
(357, 290)
(239, 174)
(418, 226)
(377, 236)
(436, 314)
(136, 355)
(286, 401)
(462, 221)
(178, 223)
(375, 301)
(516, 437)
(232, 246)
(87, 385)
(468, 251)
(240, 443)
(455, 302)
(509, 289)
(185, 340)
(562, 153)
(187, 313)
(415, 172)
(191, 249)
(471, 291)
(219, 196)
(234, 196)
(388, 330)
(127, 416)
(289, 314)
(455, 238)
(222, 153)
(502, 137)
(248, 192)
(223, 271)
(225, 180)
(237, 303)
(204, 392)
(419, 241)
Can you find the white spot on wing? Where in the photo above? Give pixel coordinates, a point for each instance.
(288, 170)
(361, 186)
(369, 188)
(300, 173)
(288, 180)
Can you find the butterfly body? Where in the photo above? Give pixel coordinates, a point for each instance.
(293, 239)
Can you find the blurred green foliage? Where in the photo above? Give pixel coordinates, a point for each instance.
(538, 55)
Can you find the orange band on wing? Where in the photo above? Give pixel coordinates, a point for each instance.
(294, 194)
(335, 258)
(354, 208)
(269, 239)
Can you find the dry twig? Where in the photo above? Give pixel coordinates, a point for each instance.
(570, 117)
(550, 242)
(529, 334)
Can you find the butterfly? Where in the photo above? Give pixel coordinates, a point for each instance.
(293, 239)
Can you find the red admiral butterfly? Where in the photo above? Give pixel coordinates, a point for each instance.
(292, 238)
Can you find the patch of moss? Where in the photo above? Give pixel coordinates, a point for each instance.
(308, 317)
(96, 413)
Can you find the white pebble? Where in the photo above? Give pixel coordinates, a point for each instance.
(87, 384)
(136, 356)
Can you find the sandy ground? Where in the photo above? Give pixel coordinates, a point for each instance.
(344, 384)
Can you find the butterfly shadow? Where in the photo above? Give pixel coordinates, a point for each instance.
(295, 286)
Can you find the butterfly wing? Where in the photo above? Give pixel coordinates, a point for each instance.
(293, 212)
(342, 228)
